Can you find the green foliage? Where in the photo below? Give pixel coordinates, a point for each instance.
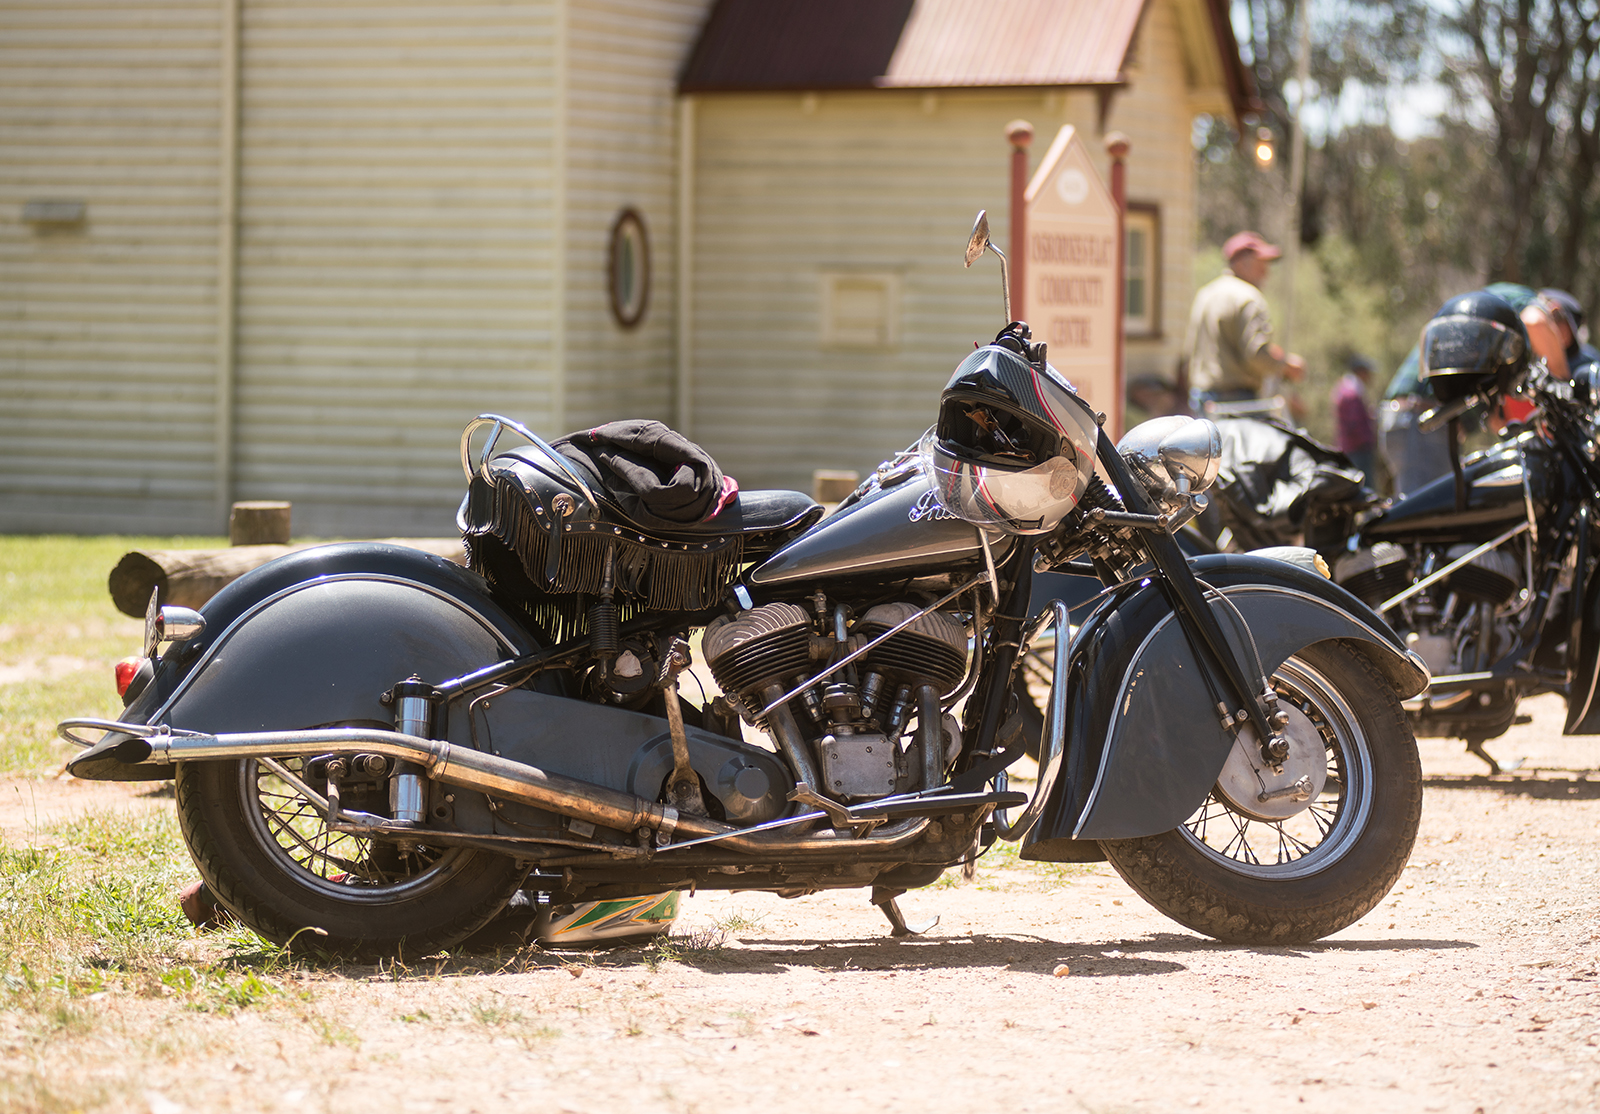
(60, 637)
(217, 989)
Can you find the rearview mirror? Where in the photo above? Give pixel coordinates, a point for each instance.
(980, 237)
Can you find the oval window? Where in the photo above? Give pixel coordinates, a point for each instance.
(628, 269)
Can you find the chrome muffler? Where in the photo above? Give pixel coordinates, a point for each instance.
(477, 770)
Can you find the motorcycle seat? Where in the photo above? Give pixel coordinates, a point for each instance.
(748, 513)
(752, 512)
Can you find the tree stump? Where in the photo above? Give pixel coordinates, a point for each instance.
(263, 523)
(830, 485)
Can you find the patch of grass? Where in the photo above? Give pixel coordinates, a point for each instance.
(736, 921)
(218, 989)
(331, 1031)
(91, 911)
(1000, 869)
(691, 947)
(56, 615)
(494, 1013)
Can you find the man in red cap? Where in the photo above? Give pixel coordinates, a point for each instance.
(1230, 349)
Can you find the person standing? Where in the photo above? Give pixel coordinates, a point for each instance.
(1357, 437)
(1229, 345)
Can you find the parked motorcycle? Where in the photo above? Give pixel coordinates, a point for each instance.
(1490, 575)
(386, 747)
(1494, 588)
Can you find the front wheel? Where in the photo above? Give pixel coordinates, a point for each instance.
(269, 856)
(1281, 870)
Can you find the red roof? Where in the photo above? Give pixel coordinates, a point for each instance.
(1013, 42)
(797, 45)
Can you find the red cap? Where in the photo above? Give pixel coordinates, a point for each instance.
(1249, 241)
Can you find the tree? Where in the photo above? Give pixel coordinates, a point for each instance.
(1533, 61)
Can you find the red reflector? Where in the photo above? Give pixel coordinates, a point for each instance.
(127, 670)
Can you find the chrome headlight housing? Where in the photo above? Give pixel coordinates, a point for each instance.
(1173, 457)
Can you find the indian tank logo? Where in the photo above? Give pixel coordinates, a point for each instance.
(927, 507)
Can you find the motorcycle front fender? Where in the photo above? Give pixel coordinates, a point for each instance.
(1145, 741)
(316, 638)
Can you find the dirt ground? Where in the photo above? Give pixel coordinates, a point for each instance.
(1475, 986)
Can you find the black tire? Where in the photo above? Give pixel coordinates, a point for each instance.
(269, 858)
(1363, 820)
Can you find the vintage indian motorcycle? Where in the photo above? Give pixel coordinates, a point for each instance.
(386, 747)
(1490, 573)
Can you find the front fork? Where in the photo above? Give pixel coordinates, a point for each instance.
(1200, 625)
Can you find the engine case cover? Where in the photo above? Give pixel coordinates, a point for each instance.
(858, 767)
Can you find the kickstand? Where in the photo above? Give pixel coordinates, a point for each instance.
(1475, 746)
(884, 899)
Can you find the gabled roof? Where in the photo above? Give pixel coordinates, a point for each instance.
(798, 45)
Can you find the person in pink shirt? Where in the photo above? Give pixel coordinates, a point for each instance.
(1357, 435)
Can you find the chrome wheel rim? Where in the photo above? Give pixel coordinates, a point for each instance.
(348, 867)
(1329, 825)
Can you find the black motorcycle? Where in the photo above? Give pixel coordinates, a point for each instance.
(377, 744)
(1490, 576)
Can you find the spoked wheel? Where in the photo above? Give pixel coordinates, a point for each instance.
(268, 853)
(1291, 854)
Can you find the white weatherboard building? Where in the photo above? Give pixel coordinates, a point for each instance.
(262, 249)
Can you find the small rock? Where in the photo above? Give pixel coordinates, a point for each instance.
(1061, 970)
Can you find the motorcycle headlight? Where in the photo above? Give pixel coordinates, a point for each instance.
(1173, 457)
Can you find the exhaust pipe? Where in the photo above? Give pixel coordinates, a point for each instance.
(486, 773)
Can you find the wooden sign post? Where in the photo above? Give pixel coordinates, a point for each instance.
(1074, 273)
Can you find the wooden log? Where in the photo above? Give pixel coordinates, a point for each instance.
(259, 523)
(190, 577)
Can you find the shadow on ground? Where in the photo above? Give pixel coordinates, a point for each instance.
(1542, 788)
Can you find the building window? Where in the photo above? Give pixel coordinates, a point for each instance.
(628, 269)
(860, 310)
(1141, 303)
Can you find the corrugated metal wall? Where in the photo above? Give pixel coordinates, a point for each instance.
(623, 62)
(396, 254)
(426, 190)
(792, 188)
(108, 329)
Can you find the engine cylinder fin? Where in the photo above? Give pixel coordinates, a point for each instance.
(932, 649)
(764, 645)
(1373, 575)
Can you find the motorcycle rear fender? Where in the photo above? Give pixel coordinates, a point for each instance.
(1145, 741)
(314, 638)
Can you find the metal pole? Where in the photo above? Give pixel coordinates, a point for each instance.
(1020, 135)
(683, 403)
(1117, 148)
(227, 264)
(1297, 173)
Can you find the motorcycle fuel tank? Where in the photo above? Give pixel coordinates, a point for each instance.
(1494, 497)
(898, 531)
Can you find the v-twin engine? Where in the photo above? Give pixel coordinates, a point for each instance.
(853, 720)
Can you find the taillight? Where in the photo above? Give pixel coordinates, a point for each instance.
(127, 670)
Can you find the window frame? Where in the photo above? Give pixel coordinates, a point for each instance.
(1149, 326)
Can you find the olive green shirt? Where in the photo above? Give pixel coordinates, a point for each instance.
(1229, 333)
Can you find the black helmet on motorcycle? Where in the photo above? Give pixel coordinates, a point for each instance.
(1475, 343)
(1014, 445)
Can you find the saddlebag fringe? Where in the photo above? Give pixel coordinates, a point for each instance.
(650, 573)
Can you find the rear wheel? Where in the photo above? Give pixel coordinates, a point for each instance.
(1288, 870)
(269, 856)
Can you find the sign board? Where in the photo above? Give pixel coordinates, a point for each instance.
(1072, 273)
